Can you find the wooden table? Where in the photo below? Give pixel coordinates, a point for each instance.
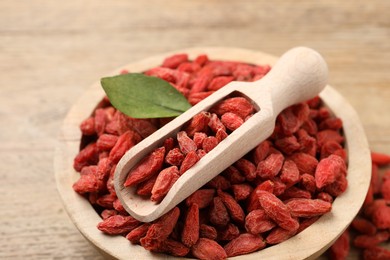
(51, 51)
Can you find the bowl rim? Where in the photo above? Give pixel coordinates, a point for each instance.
(306, 245)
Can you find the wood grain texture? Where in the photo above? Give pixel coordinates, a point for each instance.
(50, 52)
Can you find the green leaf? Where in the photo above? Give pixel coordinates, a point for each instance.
(141, 96)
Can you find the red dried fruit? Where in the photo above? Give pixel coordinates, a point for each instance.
(305, 162)
(202, 198)
(231, 121)
(271, 166)
(219, 215)
(380, 159)
(385, 189)
(118, 224)
(287, 145)
(247, 168)
(190, 234)
(325, 197)
(363, 226)
(87, 156)
(146, 168)
(278, 235)
(127, 140)
(174, 157)
(173, 247)
(237, 105)
(105, 142)
(228, 233)
(308, 208)
(165, 180)
(244, 244)
(89, 181)
(160, 230)
(189, 161)
(328, 170)
(199, 123)
(145, 188)
(308, 182)
(87, 127)
(108, 213)
(174, 61)
(369, 241)
(233, 175)
(219, 182)
(340, 248)
(253, 201)
(186, 144)
(257, 222)
(381, 217)
(241, 191)
(327, 135)
(215, 123)
(207, 231)
(209, 143)
(290, 173)
(338, 187)
(208, 249)
(236, 212)
(294, 193)
(137, 233)
(261, 152)
(376, 253)
(277, 210)
(219, 82)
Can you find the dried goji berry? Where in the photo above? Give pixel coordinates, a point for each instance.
(257, 222)
(137, 233)
(165, 180)
(369, 241)
(174, 61)
(271, 166)
(190, 234)
(207, 231)
(376, 253)
(118, 224)
(236, 212)
(308, 208)
(208, 249)
(189, 160)
(201, 197)
(277, 210)
(237, 105)
(146, 168)
(174, 157)
(231, 121)
(278, 235)
(229, 232)
(241, 191)
(219, 215)
(244, 244)
(363, 226)
(340, 248)
(209, 143)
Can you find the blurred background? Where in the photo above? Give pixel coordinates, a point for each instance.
(51, 51)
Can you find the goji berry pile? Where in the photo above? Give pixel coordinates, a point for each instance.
(371, 227)
(274, 192)
(161, 168)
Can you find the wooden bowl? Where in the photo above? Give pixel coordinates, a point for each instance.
(309, 244)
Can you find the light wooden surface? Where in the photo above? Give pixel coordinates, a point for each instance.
(51, 51)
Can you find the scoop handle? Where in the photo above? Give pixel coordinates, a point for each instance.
(300, 74)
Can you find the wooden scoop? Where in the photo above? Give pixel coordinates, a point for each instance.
(300, 74)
